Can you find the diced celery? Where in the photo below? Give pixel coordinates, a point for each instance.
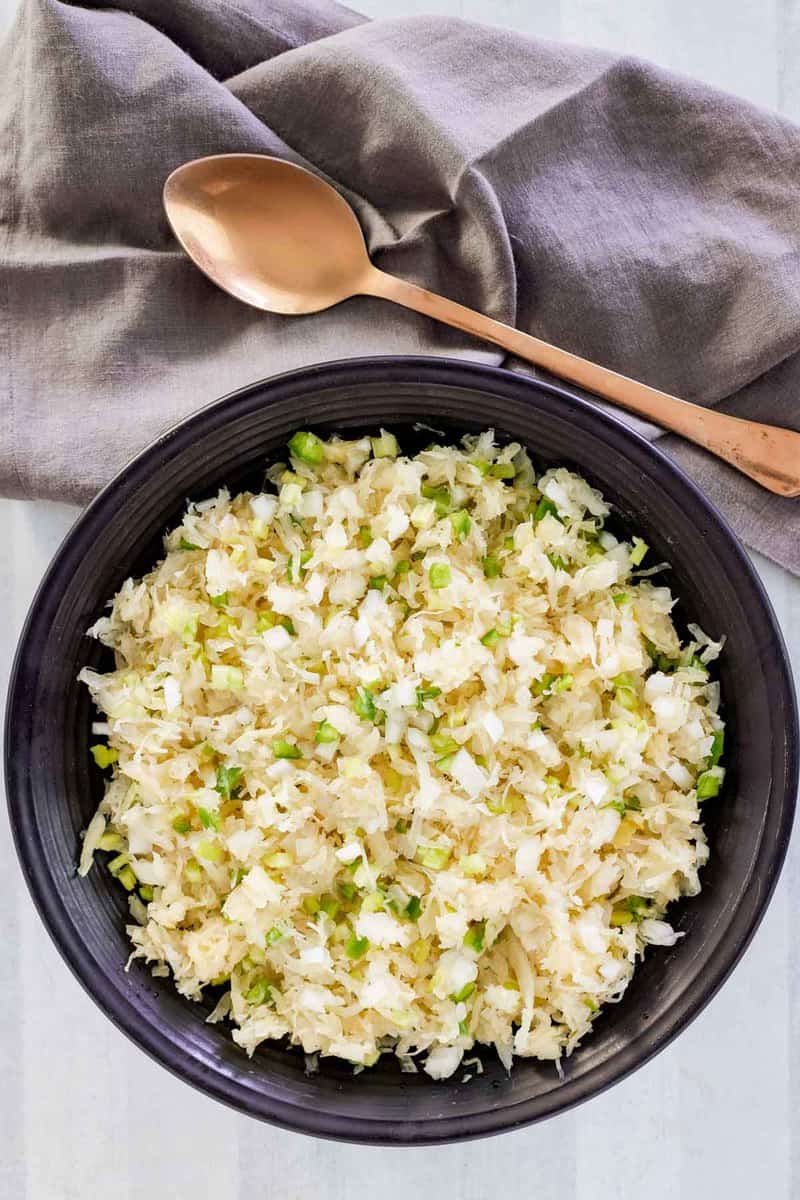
(365, 536)
(621, 599)
(621, 916)
(492, 566)
(273, 935)
(491, 638)
(402, 567)
(413, 908)
(562, 683)
(329, 904)
(429, 693)
(364, 704)
(219, 601)
(443, 743)
(146, 892)
(184, 544)
(311, 905)
(377, 583)
(463, 993)
(208, 819)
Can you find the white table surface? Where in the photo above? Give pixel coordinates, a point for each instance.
(84, 1114)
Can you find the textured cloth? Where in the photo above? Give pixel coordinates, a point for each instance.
(642, 220)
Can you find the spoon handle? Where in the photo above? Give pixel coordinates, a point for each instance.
(766, 453)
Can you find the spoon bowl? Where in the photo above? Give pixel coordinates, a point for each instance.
(280, 238)
(272, 234)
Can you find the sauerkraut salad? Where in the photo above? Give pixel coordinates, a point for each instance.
(406, 755)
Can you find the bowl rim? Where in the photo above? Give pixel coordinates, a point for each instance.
(769, 859)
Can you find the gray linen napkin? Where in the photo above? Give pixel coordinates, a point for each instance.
(640, 219)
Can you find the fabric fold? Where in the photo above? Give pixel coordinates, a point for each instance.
(643, 220)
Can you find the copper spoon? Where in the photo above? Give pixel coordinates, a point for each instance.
(281, 239)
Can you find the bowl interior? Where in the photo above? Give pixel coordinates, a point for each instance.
(53, 786)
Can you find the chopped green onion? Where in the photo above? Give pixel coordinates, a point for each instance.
(377, 583)
(210, 851)
(541, 687)
(638, 551)
(424, 694)
(127, 878)
(307, 447)
(637, 906)
(283, 749)
(709, 783)
(146, 892)
(420, 951)
(557, 562)
(402, 567)
(562, 683)
(115, 865)
(461, 523)
(194, 872)
(326, 734)
(348, 891)
(413, 908)
(621, 599)
(329, 904)
(491, 638)
(439, 575)
(435, 858)
(440, 496)
(544, 508)
(278, 861)
(473, 864)
(443, 743)
(463, 1028)
(502, 471)
(219, 601)
(311, 905)
(183, 544)
(591, 1005)
(463, 993)
(364, 705)
(274, 935)
(226, 679)
(229, 784)
(365, 536)
(111, 842)
(474, 937)
(259, 993)
(492, 566)
(209, 820)
(401, 825)
(621, 916)
(104, 756)
(717, 746)
(385, 446)
(356, 947)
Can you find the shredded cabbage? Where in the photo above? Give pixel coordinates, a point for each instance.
(403, 756)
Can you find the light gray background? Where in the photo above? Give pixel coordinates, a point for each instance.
(83, 1114)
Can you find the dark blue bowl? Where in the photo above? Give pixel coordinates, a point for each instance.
(53, 787)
